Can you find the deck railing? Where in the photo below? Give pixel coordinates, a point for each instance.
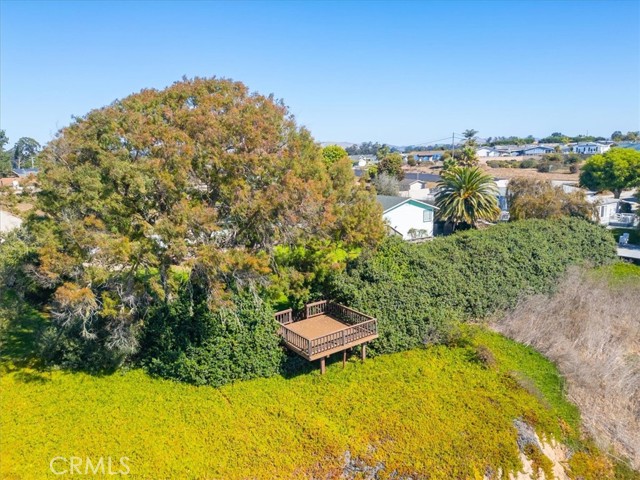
(344, 337)
(357, 326)
(346, 314)
(315, 308)
(285, 316)
(626, 219)
(295, 340)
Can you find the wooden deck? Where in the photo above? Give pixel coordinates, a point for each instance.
(326, 329)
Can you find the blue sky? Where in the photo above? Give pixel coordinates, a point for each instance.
(395, 72)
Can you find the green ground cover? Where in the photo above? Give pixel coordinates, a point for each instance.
(442, 412)
(438, 412)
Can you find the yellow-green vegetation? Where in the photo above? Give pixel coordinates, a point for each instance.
(619, 273)
(442, 412)
(539, 461)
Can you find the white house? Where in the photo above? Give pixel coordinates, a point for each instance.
(408, 217)
(590, 148)
(487, 152)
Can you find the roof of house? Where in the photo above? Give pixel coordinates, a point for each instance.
(389, 202)
(533, 147)
(406, 183)
(428, 152)
(23, 172)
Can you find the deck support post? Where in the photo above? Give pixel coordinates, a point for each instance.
(364, 351)
(322, 366)
(344, 358)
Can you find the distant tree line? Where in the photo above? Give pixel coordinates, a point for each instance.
(368, 148)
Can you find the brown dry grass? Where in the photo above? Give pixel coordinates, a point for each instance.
(507, 173)
(510, 173)
(591, 330)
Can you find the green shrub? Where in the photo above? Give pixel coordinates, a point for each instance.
(529, 163)
(186, 341)
(419, 292)
(500, 163)
(544, 167)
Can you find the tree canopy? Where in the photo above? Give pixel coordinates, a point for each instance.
(24, 153)
(390, 162)
(614, 170)
(333, 153)
(530, 198)
(203, 180)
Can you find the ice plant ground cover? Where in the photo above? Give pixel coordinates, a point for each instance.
(443, 411)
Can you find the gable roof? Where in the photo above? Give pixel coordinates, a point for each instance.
(390, 202)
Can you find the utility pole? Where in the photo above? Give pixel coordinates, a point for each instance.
(452, 135)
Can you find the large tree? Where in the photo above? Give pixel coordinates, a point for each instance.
(467, 195)
(203, 179)
(530, 198)
(390, 162)
(24, 153)
(615, 170)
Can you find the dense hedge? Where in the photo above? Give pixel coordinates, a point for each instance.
(418, 291)
(188, 342)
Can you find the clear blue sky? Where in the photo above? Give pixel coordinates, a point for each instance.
(393, 72)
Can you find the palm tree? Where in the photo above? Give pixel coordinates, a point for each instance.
(467, 157)
(467, 195)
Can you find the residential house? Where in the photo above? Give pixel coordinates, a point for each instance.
(363, 160)
(487, 152)
(590, 148)
(413, 189)
(609, 209)
(533, 150)
(410, 218)
(428, 155)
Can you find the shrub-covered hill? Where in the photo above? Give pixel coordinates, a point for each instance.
(439, 413)
(418, 291)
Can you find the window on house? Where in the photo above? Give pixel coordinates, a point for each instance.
(427, 216)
